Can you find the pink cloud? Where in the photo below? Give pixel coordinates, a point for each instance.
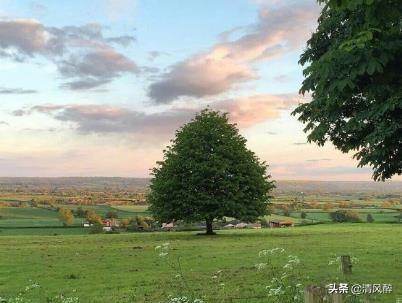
(230, 63)
(246, 111)
(251, 110)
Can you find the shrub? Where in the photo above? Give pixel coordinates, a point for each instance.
(34, 203)
(111, 215)
(303, 215)
(345, 216)
(399, 217)
(150, 221)
(370, 218)
(97, 228)
(80, 213)
(72, 276)
(66, 216)
(264, 222)
(141, 222)
(133, 226)
(93, 217)
(124, 223)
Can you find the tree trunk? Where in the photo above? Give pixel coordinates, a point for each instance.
(209, 230)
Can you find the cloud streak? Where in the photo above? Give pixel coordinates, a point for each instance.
(300, 143)
(112, 119)
(318, 160)
(16, 91)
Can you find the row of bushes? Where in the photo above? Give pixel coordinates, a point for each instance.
(344, 216)
(138, 223)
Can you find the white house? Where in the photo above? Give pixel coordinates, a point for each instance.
(168, 226)
(229, 226)
(241, 225)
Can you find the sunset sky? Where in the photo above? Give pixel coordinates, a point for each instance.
(97, 87)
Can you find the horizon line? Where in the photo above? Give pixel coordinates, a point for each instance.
(121, 177)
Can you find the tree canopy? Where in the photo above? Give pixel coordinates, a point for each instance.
(66, 216)
(93, 218)
(207, 173)
(353, 72)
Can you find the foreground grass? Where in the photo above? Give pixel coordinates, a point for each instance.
(126, 268)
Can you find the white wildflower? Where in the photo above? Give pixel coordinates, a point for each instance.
(261, 266)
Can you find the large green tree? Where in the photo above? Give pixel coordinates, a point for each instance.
(208, 173)
(353, 71)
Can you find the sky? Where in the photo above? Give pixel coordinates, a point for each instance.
(98, 87)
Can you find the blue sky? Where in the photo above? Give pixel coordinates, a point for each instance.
(97, 88)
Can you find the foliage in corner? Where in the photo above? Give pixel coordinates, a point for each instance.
(353, 70)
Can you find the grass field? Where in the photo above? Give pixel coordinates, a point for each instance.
(25, 217)
(125, 267)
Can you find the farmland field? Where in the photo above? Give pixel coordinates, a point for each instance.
(20, 217)
(379, 214)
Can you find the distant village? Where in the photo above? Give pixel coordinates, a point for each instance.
(113, 224)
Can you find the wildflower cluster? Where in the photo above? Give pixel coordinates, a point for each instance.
(219, 285)
(285, 280)
(292, 262)
(217, 274)
(28, 293)
(31, 286)
(267, 255)
(260, 266)
(64, 299)
(175, 264)
(163, 250)
(270, 252)
(285, 283)
(183, 299)
(23, 296)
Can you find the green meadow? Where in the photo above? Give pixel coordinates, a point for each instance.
(126, 267)
(35, 249)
